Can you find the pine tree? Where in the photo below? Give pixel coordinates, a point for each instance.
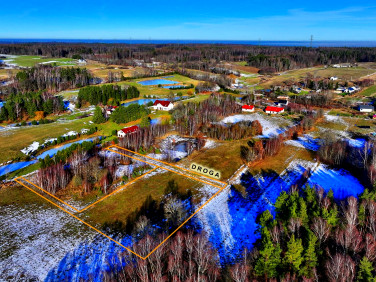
(270, 257)
(145, 121)
(365, 270)
(293, 256)
(310, 257)
(98, 116)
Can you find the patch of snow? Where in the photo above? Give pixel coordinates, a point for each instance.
(30, 149)
(209, 144)
(306, 141)
(70, 133)
(35, 239)
(271, 126)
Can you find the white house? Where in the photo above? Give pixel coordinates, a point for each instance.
(163, 105)
(274, 110)
(128, 130)
(366, 108)
(248, 108)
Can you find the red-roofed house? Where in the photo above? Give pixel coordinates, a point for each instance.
(163, 105)
(248, 108)
(274, 110)
(128, 130)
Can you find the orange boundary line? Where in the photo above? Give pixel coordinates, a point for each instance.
(156, 167)
(169, 164)
(80, 220)
(101, 199)
(170, 169)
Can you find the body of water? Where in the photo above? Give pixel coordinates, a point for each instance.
(306, 43)
(145, 101)
(157, 81)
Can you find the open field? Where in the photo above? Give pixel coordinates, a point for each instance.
(342, 73)
(101, 70)
(124, 202)
(369, 91)
(225, 157)
(30, 61)
(15, 139)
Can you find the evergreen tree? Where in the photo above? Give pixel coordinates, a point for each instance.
(145, 121)
(294, 254)
(270, 257)
(98, 116)
(365, 270)
(310, 257)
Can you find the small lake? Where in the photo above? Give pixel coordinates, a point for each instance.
(145, 101)
(157, 82)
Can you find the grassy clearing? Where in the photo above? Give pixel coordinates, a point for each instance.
(370, 91)
(14, 140)
(20, 196)
(342, 73)
(224, 158)
(279, 162)
(120, 205)
(30, 61)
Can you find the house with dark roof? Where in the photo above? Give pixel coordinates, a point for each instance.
(163, 105)
(365, 108)
(127, 131)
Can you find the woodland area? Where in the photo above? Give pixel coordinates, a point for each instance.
(106, 95)
(28, 105)
(311, 238)
(49, 78)
(198, 56)
(83, 166)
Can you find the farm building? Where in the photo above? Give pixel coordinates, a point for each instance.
(274, 110)
(128, 130)
(163, 105)
(248, 108)
(366, 108)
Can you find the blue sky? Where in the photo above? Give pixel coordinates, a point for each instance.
(183, 19)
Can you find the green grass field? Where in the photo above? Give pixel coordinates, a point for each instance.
(124, 202)
(30, 61)
(370, 91)
(342, 73)
(14, 140)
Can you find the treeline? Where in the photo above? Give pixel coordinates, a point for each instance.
(130, 113)
(106, 95)
(190, 117)
(20, 106)
(50, 78)
(361, 160)
(198, 56)
(144, 137)
(258, 149)
(311, 237)
(240, 130)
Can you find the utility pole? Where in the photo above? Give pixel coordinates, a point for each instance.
(311, 41)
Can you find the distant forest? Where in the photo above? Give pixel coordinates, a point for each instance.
(198, 56)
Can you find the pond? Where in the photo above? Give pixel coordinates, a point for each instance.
(145, 101)
(157, 82)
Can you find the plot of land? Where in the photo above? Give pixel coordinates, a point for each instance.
(114, 205)
(30, 61)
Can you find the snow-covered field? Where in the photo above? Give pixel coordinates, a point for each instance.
(306, 141)
(35, 239)
(271, 125)
(230, 218)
